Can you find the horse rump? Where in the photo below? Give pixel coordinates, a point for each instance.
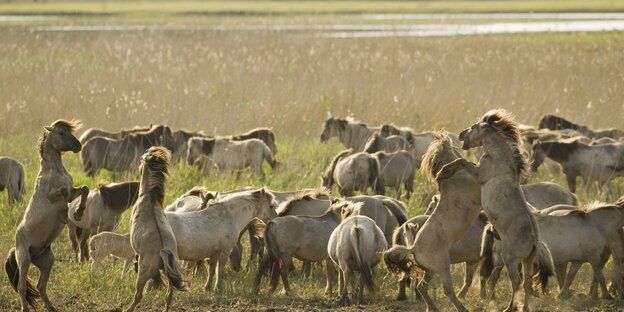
(363, 266)
(32, 294)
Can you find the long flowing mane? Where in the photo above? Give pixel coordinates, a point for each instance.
(431, 163)
(119, 196)
(503, 123)
(156, 160)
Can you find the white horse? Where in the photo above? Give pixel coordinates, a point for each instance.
(356, 245)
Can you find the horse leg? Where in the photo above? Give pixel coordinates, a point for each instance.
(527, 275)
(447, 285)
(142, 278)
(22, 257)
(571, 179)
(492, 281)
(330, 276)
(286, 264)
(514, 276)
(212, 265)
(597, 266)
(560, 273)
(423, 289)
(44, 262)
(341, 281)
(126, 267)
(84, 245)
(73, 237)
(403, 283)
(347, 277)
(565, 291)
(168, 297)
(223, 257)
(470, 270)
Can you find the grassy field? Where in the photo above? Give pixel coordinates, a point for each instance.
(227, 81)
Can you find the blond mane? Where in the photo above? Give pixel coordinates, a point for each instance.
(504, 123)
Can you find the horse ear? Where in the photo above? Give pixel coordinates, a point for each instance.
(412, 227)
(48, 128)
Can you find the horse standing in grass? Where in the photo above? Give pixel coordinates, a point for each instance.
(351, 134)
(151, 236)
(457, 210)
(45, 216)
(499, 172)
(12, 178)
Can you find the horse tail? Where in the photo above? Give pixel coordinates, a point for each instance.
(373, 176)
(545, 265)
(399, 259)
(329, 172)
(364, 268)
(487, 252)
(268, 155)
(21, 184)
(85, 159)
(396, 210)
(270, 259)
(13, 273)
(172, 269)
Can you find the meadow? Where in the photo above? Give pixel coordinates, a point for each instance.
(224, 81)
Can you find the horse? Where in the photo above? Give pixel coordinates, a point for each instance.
(458, 207)
(465, 250)
(104, 207)
(499, 172)
(45, 216)
(353, 135)
(356, 245)
(395, 169)
(213, 232)
(180, 138)
(151, 236)
(108, 243)
(600, 163)
(557, 123)
(231, 155)
(353, 172)
(389, 144)
(93, 132)
(577, 236)
(194, 199)
(302, 237)
(13, 179)
(123, 154)
(407, 133)
(265, 135)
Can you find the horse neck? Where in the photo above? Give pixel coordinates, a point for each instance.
(497, 148)
(611, 219)
(241, 214)
(147, 184)
(51, 159)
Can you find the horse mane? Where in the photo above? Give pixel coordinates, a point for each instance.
(256, 133)
(156, 160)
(308, 195)
(483, 218)
(503, 123)
(373, 142)
(430, 165)
(196, 191)
(119, 196)
(559, 150)
(329, 172)
(354, 122)
(556, 123)
(619, 202)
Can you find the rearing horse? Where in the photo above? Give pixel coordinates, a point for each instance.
(46, 215)
(499, 172)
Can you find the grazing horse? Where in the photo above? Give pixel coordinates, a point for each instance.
(151, 236)
(180, 138)
(356, 245)
(353, 172)
(45, 216)
(93, 132)
(558, 123)
(123, 154)
(457, 210)
(389, 144)
(599, 163)
(104, 207)
(12, 178)
(213, 232)
(351, 134)
(108, 243)
(499, 172)
(231, 155)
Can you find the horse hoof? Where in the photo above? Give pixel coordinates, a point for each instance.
(401, 297)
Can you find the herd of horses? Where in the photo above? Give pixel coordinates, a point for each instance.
(484, 215)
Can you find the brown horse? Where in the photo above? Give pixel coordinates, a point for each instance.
(45, 216)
